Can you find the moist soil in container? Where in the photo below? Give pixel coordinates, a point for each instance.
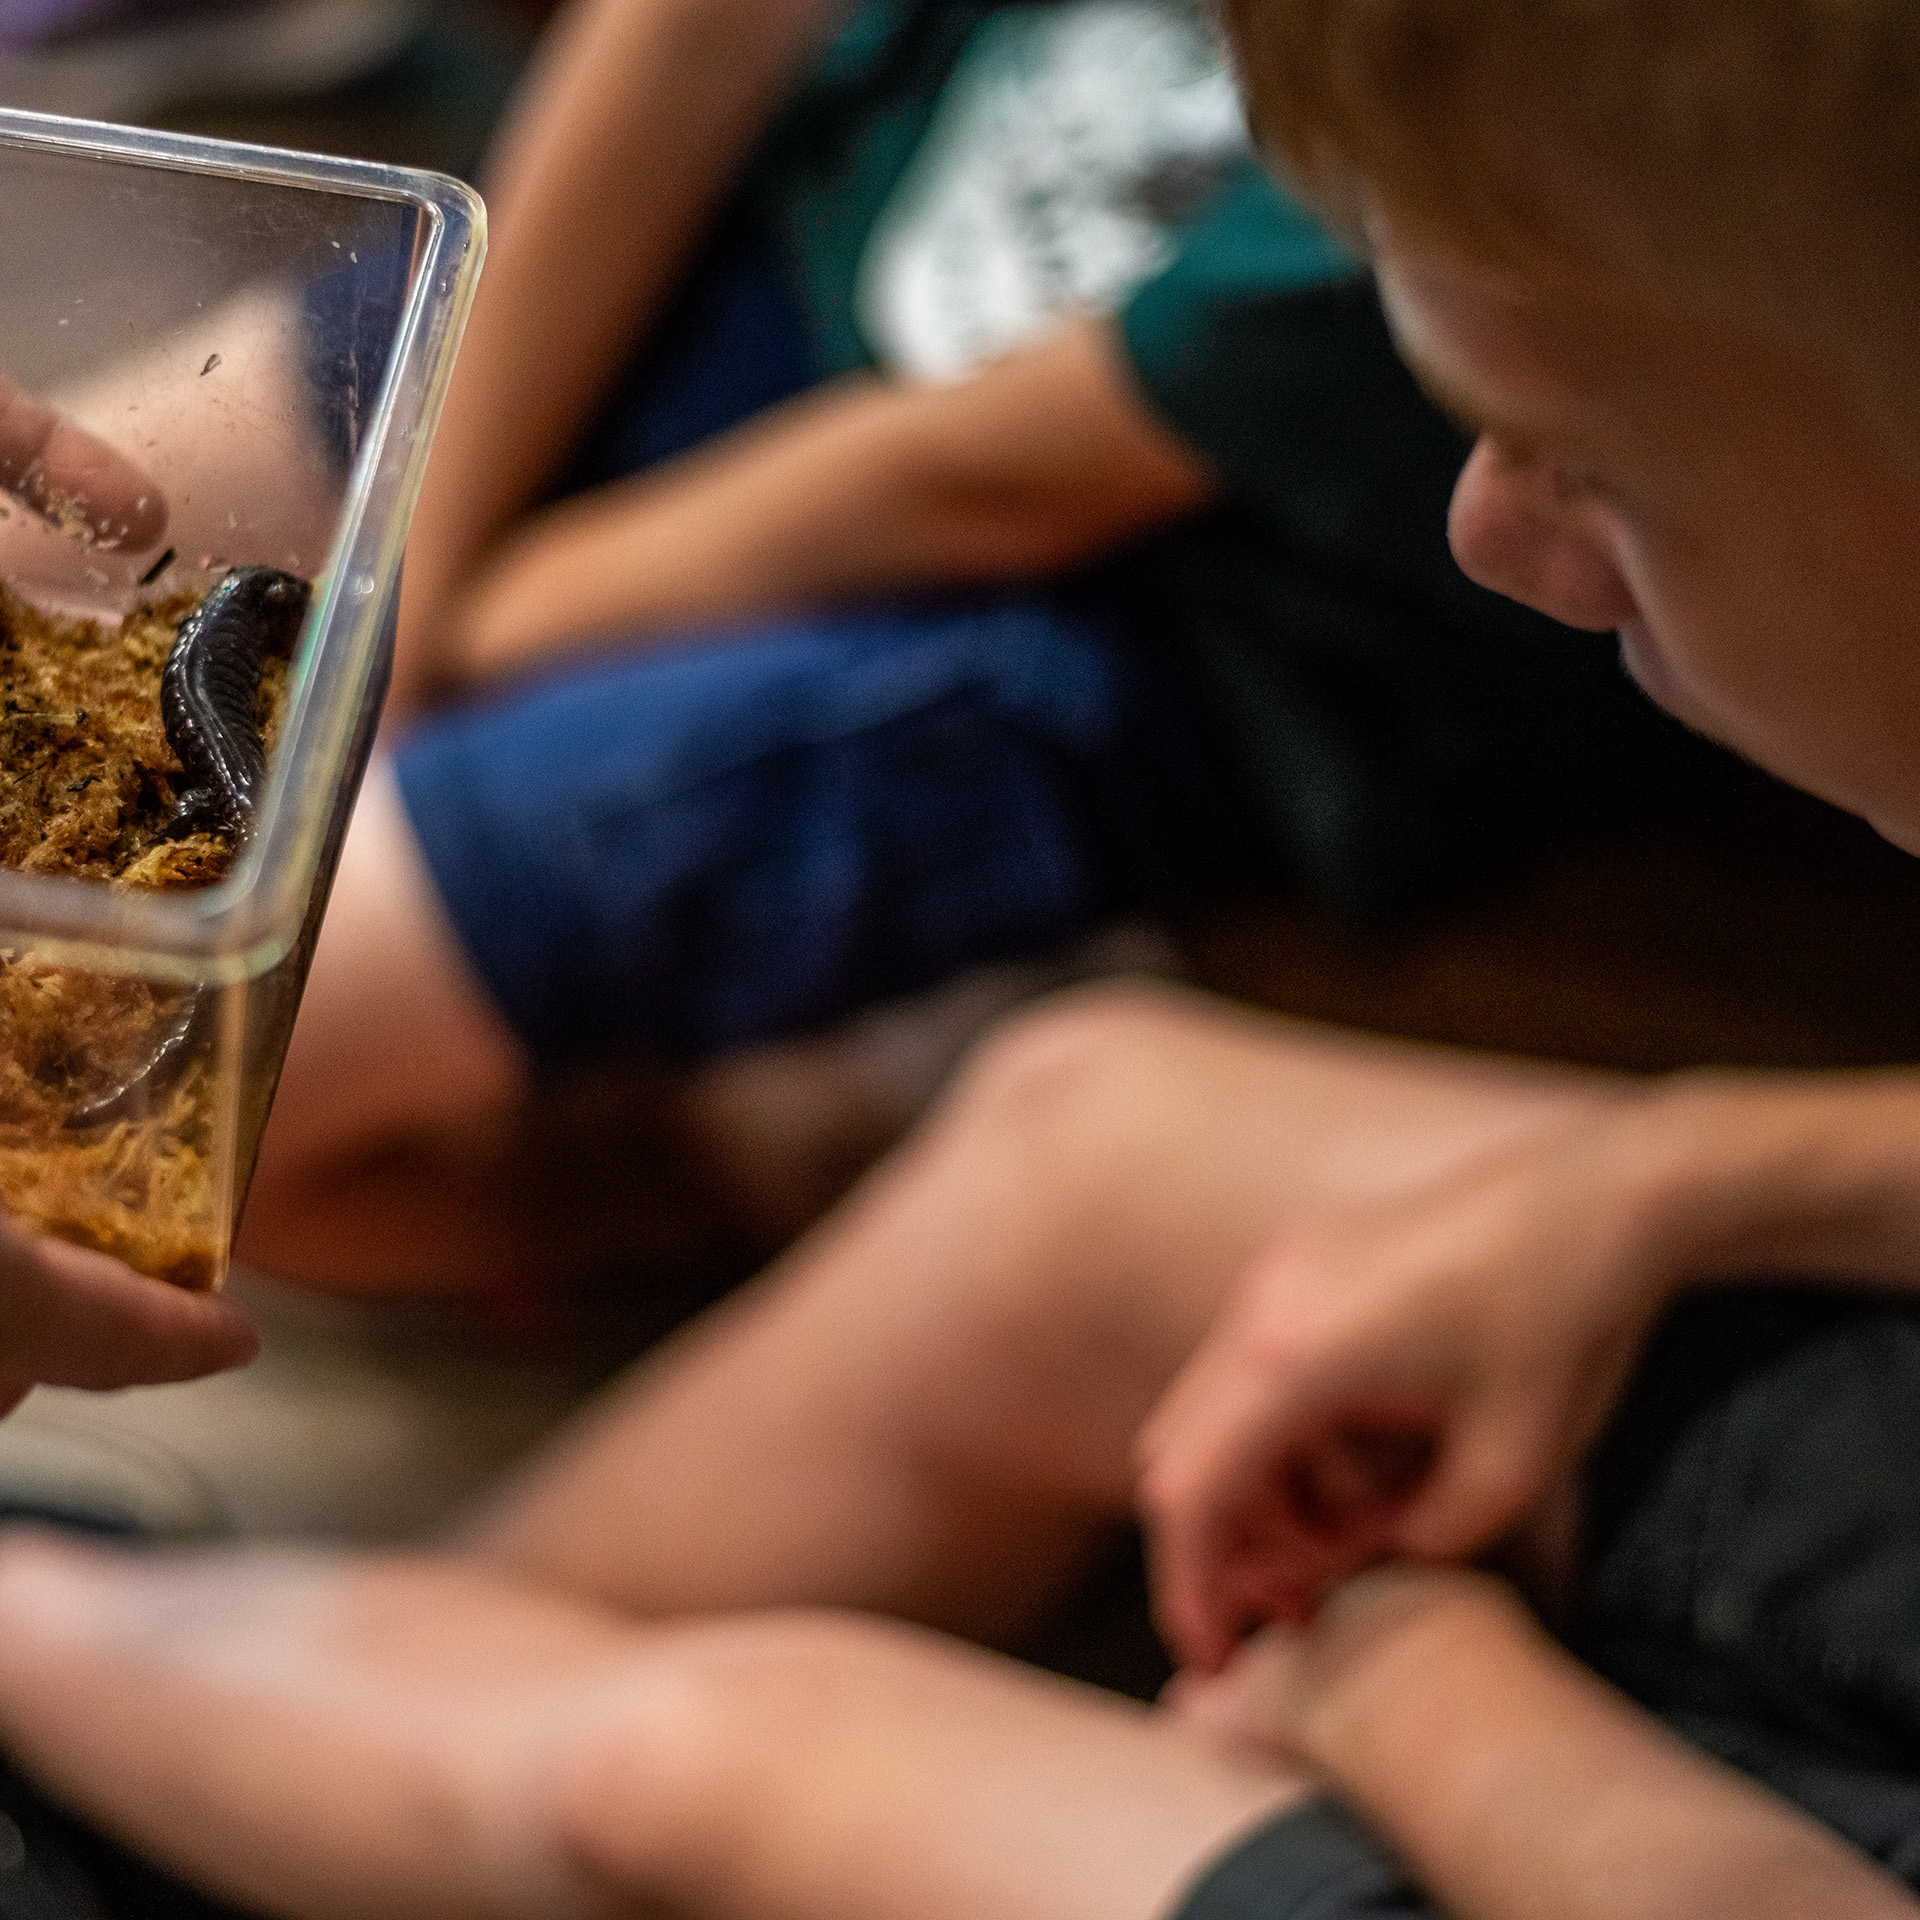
(88, 784)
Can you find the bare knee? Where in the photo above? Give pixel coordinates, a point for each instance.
(1082, 1059)
(679, 1792)
(1067, 1117)
(1049, 1170)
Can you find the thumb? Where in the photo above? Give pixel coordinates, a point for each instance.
(71, 1317)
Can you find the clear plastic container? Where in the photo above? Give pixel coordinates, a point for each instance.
(268, 336)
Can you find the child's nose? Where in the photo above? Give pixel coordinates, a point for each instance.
(1512, 533)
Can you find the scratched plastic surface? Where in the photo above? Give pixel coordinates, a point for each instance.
(268, 336)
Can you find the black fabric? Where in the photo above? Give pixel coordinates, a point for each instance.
(1402, 732)
(1315, 1862)
(1755, 1569)
(41, 1876)
(1751, 1575)
(53, 1868)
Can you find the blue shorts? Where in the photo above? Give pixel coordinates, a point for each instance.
(756, 831)
(695, 847)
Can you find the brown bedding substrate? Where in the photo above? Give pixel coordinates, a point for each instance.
(87, 781)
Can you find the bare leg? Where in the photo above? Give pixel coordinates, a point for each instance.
(335, 1738)
(927, 1408)
(392, 995)
(396, 1042)
(411, 1149)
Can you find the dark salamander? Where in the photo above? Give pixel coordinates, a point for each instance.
(208, 692)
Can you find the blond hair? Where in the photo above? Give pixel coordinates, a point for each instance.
(1759, 152)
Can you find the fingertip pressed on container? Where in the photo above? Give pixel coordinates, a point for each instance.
(265, 337)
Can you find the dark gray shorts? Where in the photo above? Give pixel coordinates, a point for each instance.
(1751, 1576)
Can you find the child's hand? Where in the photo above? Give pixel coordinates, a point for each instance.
(76, 481)
(1272, 1699)
(1251, 1706)
(73, 1318)
(1399, 1382)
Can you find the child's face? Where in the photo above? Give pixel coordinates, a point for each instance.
(1724, 502)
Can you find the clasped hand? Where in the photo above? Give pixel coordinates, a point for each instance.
(1401, 1381)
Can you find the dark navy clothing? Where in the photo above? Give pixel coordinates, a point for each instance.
(752, 832)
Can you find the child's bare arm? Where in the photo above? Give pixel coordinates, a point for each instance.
(630, 133)
(1406, 1379)
(1031, 467)
(1516, 1785)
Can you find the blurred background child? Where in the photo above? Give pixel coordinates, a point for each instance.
(857, 553)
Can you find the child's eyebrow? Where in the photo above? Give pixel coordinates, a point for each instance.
(1471, 412)
(1463, 410)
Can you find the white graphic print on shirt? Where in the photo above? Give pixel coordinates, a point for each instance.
(1067, 142)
